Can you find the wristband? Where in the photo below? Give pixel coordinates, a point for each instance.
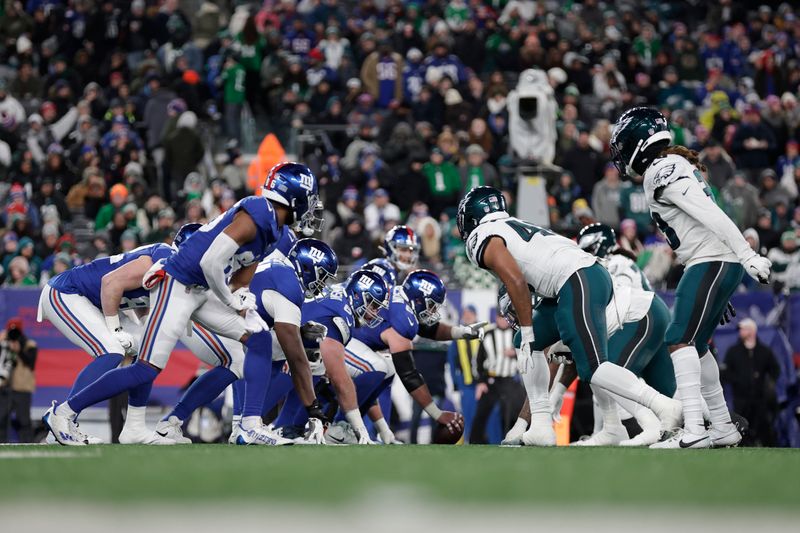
(433, 411)
(113, 322)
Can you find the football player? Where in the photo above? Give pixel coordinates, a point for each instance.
(401, 248)
(86, 303)
(523, 255)
(226, 250)
(358, 302)
(280, 290)
(414, 309)
(716, 256)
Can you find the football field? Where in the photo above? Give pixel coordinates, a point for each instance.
(744, 483)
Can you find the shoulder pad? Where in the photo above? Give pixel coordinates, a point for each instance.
(667, 169)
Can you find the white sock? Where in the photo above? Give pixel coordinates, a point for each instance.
(608, 408)
(687, 376)
(646, 418)
(597, 416)
(135, 417)
(64, 409)
(536, 382)
(711, 389)
(383, 430)
(624, 383)
(250, 422)
(235, 421)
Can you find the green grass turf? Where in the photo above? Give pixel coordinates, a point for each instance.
(741, 478)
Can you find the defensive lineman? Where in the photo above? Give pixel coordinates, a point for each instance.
(716, 256)
(523, 255)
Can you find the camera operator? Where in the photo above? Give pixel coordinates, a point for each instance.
(17, 380)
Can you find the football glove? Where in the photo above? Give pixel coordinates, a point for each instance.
(243, 299)
(468, 332)
(315, 412)
(126, 340)
(758, 267)
(524, 360)
(727, 315)
(253, 323)
(154, 275)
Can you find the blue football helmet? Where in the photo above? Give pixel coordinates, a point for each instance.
(385, 269)
(315, 263)
(401, 247)
(294, 185)
(426, 292)
(506, 308)
(367, 295)
(185, 231)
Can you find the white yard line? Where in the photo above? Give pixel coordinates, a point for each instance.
(10, 453)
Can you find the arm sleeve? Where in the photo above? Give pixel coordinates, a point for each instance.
(687, 195)
(280, 308)
(214, 262)
(429, 332)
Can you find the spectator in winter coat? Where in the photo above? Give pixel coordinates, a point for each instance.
(785, 262)
(605, 196)
(753, 142)
(719, 165)
(353, 246)
(741, 201)
(476, 171)
(382, 75)
(444, 182)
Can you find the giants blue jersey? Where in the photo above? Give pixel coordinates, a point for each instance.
(279, 277)
(399, 316)
(332, 311)
(86, 279)
(285, 243)
(184, 265)
(387, 78)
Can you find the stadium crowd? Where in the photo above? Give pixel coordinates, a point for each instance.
(121, 120)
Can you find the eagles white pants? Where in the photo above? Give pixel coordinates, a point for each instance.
(360, 359)
(173, 306)
(77, 318)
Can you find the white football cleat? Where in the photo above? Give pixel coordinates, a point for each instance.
(682, 439)
(63, 428)
(724, 436)
(539, 435)
(314, 433)
(171, 429)
(604, 437)
(90, 439)
(234, 433)
(260, 435)
(136, 435)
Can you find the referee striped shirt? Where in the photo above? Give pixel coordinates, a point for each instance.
(492, 359)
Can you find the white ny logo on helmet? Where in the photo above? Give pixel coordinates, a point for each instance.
(316, 255)
(307, 182)
(366, 281)
(426, 287)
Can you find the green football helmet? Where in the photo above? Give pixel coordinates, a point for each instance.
(475, 205)
(597, 239)
(506, 309)
(638, 137)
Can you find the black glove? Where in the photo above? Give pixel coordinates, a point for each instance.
(727, 315)
(315, 411)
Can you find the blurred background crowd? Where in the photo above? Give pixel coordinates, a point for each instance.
(119, 121)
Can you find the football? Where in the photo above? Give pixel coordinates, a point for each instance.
(442, 435)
